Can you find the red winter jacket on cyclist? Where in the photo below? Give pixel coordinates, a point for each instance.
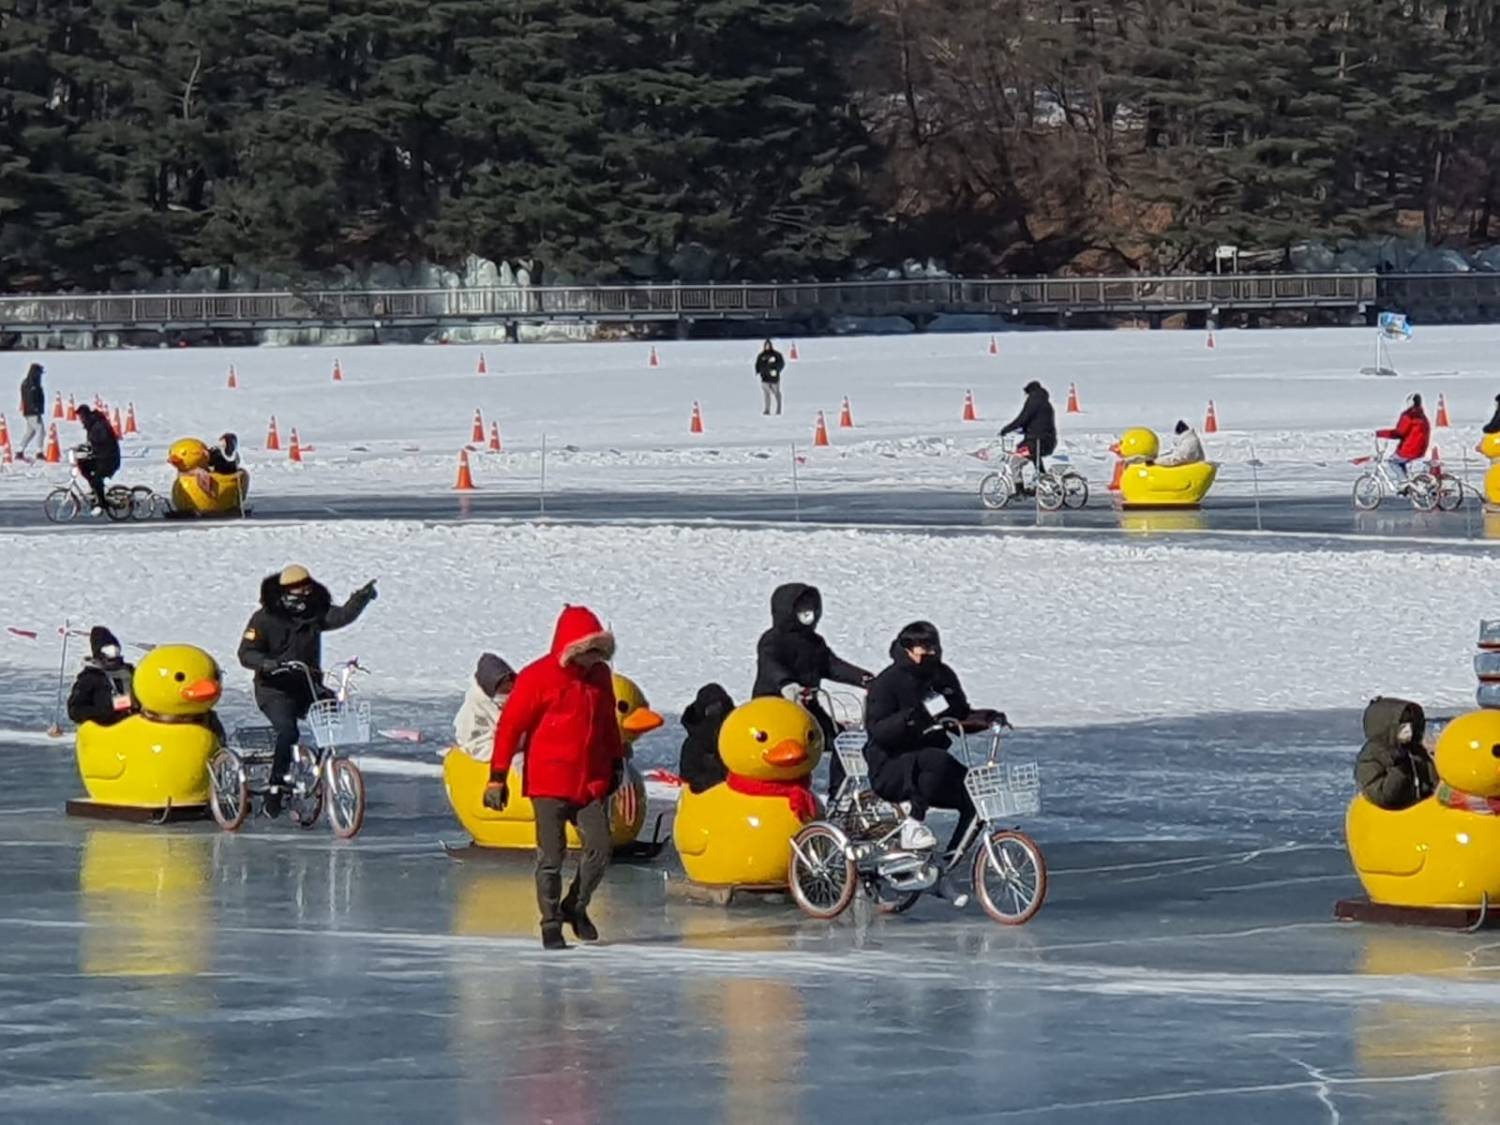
(1412, 430)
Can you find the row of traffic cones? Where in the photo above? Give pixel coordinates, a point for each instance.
(820, 433)
(294, 449)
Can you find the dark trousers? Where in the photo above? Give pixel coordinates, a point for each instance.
(282, 710)
(937, 782)
(94, 473)
(835, 767)
(552, 818)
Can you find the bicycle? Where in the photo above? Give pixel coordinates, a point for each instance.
(857, 844)
(240, 771)
(1060, 486)
(64, 503)
(1422, 488)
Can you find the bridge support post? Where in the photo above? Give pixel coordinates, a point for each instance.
(512, 331)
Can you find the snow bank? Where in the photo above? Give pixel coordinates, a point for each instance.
(1057, 632)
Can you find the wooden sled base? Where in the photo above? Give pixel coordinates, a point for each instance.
(701, 894)
(1470, 919)
(135, 814)
(637, 851)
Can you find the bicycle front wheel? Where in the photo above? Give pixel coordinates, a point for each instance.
(997, 490)
(1010, 877)
(60, 505)
(1367, 492)
(345, 798)
(821, 876)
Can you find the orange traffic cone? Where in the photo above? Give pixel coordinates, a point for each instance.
(465, 481)
(295, 453)
(994, 346)
(1442, 413)
(1073, 407)
(820, 435)
(273, 439)
(1211, 345)
(483, 367)
(792, 352)
(130, 418)
(54, 450)
(234, 380)
(695, 425)
(6, 457)
(115, 423)
(57, 406)
(1114, 481)
(1211, 422)
(478, 437)
(72, 410)
(655, 360)
(495, 446)
(846, 416)
(4, 431)
(970, 413)
(338, 372)
(1436, 458)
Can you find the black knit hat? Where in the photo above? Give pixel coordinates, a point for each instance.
(491, 671)
(101, 638)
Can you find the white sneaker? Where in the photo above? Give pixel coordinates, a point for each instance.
(916, 836)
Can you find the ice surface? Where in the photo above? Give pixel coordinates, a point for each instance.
(1183, 969)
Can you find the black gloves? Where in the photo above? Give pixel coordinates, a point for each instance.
(366, 593)
(496, 794)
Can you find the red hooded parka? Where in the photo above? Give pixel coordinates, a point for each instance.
(563, 716)
(1412, 431)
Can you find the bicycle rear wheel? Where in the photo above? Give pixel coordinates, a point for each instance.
(1450, 493)
(1050, 495)
(1423, 492)
(1075, 491)
(60, 505)
(117, 503)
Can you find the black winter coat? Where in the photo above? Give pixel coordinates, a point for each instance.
(700, 765)
(1493, 425)
(790, 652)
(1037, 422)
(92, 699)
(898, 725)
(274, 637)
(33, 398)
(768, 366)
(1390, 775)
(104, 447)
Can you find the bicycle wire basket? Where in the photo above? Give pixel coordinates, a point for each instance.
(1002, 790)
(339, 723)
(250, 742)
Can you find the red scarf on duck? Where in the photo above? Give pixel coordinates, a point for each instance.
(798, 794)
(1453, 798)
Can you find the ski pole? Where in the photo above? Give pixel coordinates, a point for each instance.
(55, 730)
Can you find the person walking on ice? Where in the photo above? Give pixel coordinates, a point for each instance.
(768, 365)
(33, 407)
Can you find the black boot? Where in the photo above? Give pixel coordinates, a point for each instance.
(583, 928)
(552, 936)
(270, 806)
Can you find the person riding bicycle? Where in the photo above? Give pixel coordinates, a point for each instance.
(100, 458)
(792, 660)
(1412, 432)
(283, 646)
(907, 751)
(1186, 448)
(1037, 425)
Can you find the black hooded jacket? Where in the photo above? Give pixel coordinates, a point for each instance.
(1389, 774)
(790, 652)
(1493, 425)
(896, 721)
(274, 637)
(768, 365)
(33, 398)
(1037, 422)
(700, 765)
(101, 681)
(104, 447)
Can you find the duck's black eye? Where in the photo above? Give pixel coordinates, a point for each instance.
(760, 735)
(1495, 751)
(180, 677)
(622, 707)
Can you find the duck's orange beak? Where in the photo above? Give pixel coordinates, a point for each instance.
(176, 463)
(204, 691)
(788, 752)
(641, 720)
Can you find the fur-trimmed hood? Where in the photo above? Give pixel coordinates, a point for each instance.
(579, 630)
(318, 600)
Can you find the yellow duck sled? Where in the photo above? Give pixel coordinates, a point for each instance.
(464, 778)
(200, 491)
(1146, 485)
(153, 765)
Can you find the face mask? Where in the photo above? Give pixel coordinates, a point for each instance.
(807, 616)
(293, 603)
(1403, 733)
(110, 652)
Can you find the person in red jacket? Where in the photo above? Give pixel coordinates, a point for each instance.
(1412, 431)
(561, 713)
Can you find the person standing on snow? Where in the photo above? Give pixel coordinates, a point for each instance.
(33, 407)
(285, 631)
(561, 713)
(474, 725)
(768, 365)
(1186, 449)
(101, 694)
(1037, 424)
(792, 660)
(1411, 432)
(101, 460)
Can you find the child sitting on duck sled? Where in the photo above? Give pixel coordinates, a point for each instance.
(474, 725)
(1394, 769)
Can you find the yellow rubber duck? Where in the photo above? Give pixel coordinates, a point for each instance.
(1444, 850)
(1145, 485)
(198, 490)
(157, 758)
(465, 777)
(1489, 446)
(739, 833)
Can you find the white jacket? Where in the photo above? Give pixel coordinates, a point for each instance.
(474, 725)
(1186, 450)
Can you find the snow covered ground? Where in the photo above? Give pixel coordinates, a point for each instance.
(1293, 399)
(1055, 631)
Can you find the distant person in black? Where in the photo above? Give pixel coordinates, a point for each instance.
(1037, 424)
(700, 765)
(1493, 425)
(768, 366)
(100, 458)
(793, 661)
(101, 693)
(33, 407)
(225, 457)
